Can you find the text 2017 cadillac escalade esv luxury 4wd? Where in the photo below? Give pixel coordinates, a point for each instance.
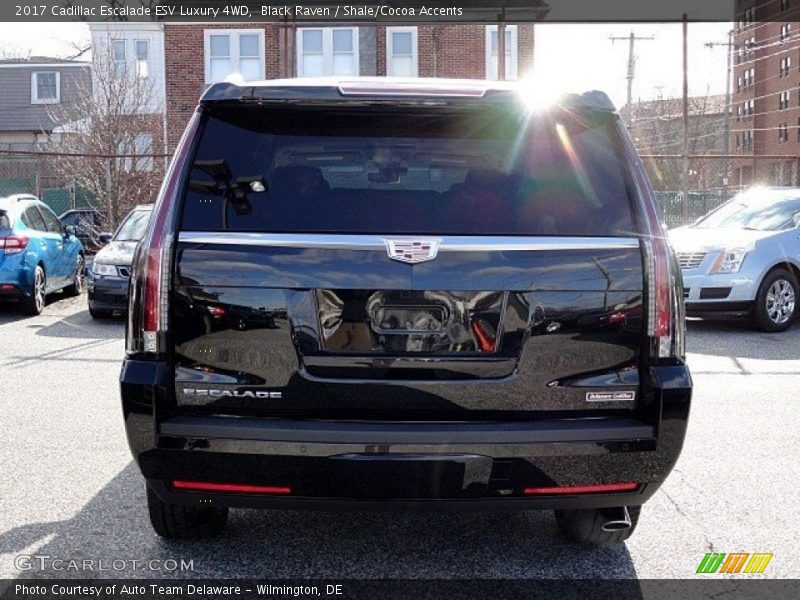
(404, 294)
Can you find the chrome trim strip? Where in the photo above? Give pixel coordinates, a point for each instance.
(375, 242)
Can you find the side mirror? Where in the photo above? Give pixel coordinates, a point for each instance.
(796, 220)
(70, 231)
(104, 238)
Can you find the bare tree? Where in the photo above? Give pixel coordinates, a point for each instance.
(658, 129)
(12, 52)
(105, 143)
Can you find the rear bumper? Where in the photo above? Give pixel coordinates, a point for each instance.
(16, 272)
(108, 293)
(401, 465)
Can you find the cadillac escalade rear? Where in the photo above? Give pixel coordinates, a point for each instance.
(425, 294)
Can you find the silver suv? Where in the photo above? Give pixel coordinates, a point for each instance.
(744, 257)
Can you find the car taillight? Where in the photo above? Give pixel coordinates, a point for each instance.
(13, 243)
(148, 309)
(664, 298)
(659, 296)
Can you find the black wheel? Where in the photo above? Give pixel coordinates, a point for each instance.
(97, 313)
(76, 287)
(597, 527)
(34, 303)
(774, 309)
(180, 522)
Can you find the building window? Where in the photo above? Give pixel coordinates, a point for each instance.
(118, 57)
(750, 46)
(45, 87)
(783, 100)
(783, 133)
(327, 51)
(747, 140)
(136, 154)
(491, 52)
(748, 109)
(144, 150)
(749, 77)
(785, 5)
(401, 52)
(786, 65)
(234, 52)
(142, 58)
(785, 30)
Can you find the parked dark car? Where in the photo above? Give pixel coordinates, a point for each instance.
(38, 254)
(449, 299)
(110, 272)
(90, 227)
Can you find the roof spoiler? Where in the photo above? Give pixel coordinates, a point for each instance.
(462, 90)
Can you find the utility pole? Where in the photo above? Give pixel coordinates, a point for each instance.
(685, 186)
(728, 108)
(632, 39)
(501, 45)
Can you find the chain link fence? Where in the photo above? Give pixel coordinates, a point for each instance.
(32, 172)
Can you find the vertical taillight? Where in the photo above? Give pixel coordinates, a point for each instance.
(659, 297)
(148, 309)
(665, 317)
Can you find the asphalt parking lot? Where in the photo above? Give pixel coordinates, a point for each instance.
(70, 491)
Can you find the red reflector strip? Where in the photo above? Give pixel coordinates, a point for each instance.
(581, 489)
(235, 488)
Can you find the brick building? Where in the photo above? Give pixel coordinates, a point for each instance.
(657, 128)
(196, 55)
(766, 92)
(184, 59)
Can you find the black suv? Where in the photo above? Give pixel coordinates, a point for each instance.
(385, 294)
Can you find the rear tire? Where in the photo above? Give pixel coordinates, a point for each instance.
(776, 303)
(34, 303)
(180, 522)
(76, 287)
(585, 526)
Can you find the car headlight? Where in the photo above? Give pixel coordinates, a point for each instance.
(103, 269)
(730, 260)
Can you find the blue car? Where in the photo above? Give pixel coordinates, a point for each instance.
(38, 255)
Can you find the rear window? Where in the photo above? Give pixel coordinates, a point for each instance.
(408, 171)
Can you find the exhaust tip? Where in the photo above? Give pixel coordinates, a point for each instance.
(617, 519)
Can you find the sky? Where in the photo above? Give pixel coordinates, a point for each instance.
(568, 56)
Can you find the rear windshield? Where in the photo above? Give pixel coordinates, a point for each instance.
(408, 171)
(4, 220)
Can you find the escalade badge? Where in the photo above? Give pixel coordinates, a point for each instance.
(412, 251)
